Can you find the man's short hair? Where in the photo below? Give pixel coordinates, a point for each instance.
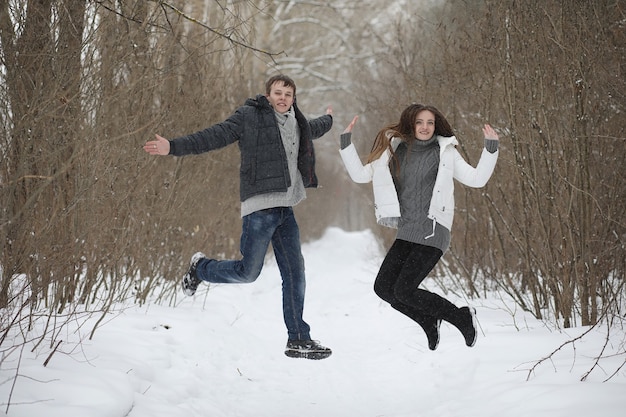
(287, 82)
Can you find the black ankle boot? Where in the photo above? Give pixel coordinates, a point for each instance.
(465, 321)
(431, 328)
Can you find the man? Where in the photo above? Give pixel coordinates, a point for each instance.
(277, 164)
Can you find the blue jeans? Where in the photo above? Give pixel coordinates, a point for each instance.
(278, 226)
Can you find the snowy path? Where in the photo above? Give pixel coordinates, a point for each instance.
(219, 354)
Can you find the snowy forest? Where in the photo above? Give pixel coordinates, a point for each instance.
(87, 219)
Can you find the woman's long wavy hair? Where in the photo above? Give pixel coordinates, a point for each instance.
(405, 129)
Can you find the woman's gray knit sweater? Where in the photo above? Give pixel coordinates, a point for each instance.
(419, 164)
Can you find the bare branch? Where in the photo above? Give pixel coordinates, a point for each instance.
(219, 33)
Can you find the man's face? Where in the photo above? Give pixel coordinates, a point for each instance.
(280, 97)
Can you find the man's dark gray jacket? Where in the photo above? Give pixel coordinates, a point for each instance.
(263, 159)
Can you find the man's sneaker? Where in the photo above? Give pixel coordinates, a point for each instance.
(190, 280)
(467, 325)
(431, 328)
(307, 349)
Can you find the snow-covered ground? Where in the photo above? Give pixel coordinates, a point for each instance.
(220, 353)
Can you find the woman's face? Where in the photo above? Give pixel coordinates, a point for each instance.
(424, 125)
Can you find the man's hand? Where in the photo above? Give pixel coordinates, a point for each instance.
(159, 146)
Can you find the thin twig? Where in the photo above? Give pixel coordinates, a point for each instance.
(17, 370)
(45, 363)
(571, 341)
(215, 31)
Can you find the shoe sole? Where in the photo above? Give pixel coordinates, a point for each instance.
(307, 354)
(472, 311)
(438, 338)
(187, 290)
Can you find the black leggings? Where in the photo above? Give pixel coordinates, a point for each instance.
(404, 268)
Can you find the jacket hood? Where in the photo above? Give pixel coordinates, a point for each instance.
(443, 140)
(447, 140)
(259, 101)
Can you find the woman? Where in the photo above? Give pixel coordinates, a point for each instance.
(412, 166)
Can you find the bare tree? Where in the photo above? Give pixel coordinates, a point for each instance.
(563, 86)
(84, 214)
(550, 77)
(86, 219)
